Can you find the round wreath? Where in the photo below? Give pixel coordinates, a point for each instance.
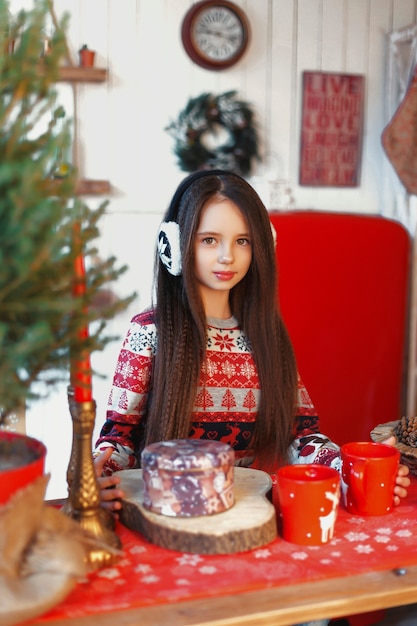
(215, 132)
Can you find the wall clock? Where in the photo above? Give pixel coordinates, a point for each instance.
(215, 34)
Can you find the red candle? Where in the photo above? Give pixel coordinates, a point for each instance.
(80, 364)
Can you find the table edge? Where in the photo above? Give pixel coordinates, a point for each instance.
(272, 606)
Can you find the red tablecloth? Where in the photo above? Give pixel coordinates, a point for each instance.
(148, 575)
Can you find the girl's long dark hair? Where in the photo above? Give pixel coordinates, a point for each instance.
(182, 331)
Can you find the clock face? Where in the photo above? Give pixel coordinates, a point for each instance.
(218, 33)
(215, 34)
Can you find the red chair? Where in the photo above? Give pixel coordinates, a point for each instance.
(344, 293)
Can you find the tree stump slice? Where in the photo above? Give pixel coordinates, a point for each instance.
(250, 523)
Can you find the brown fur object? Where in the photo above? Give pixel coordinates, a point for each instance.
(42, 554)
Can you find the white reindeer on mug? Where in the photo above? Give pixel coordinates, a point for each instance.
(327, 521)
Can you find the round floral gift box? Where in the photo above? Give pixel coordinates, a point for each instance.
(188, 477)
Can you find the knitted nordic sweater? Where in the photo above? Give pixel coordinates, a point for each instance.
(226, 401)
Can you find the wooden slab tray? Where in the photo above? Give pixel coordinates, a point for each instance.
(248, 524)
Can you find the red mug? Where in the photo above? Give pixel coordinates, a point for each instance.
(369, 470)
(306, 498)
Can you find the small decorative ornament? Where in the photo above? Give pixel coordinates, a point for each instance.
(215, 132)
(87, 56)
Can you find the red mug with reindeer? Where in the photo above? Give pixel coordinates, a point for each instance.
(306, 498)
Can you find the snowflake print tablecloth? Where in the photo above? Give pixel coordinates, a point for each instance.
(148, 575)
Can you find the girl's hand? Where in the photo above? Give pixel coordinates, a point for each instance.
(110, 496)
(402, 481)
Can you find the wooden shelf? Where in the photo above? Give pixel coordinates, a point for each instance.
(75, 74)
(84, 187)
(88, 187)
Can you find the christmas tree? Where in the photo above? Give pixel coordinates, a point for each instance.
(43, 225)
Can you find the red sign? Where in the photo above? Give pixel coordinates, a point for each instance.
(331, 129)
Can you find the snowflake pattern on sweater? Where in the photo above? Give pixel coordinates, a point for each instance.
(226, 401)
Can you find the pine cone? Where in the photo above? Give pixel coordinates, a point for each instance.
(406, 431)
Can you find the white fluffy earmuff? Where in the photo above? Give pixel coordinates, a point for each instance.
(169, 247)
(274, 234)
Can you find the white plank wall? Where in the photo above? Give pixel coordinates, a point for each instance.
(121, 127)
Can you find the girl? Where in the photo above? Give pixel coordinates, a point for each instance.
(212, 358)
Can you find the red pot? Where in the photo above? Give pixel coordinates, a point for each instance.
(22, 460)
(87, 58)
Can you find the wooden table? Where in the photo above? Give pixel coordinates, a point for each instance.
(387, 577)
(273, 607)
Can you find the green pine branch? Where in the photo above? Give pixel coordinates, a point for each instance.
(40, 319)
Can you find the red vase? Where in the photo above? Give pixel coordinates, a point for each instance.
(22, 460)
